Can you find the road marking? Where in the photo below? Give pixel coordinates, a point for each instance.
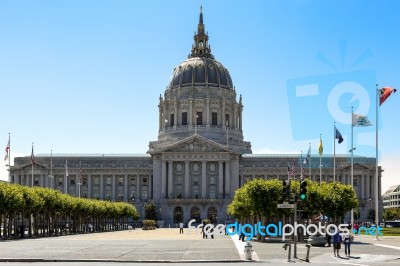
(240, 248)
(387, 246)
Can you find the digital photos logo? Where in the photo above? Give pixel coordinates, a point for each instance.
(315, 102)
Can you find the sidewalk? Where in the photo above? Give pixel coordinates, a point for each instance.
(167, 245)
(161, 245)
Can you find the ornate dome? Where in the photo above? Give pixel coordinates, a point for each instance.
(201, 71)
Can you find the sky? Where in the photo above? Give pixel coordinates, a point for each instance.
(84, 77)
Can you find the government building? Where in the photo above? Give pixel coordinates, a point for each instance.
(199, 159)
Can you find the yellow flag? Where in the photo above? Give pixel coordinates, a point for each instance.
(320, 147)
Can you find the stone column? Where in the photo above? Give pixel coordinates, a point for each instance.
(204, 179)
(220, 179)
(187, 180)
(101, 186)
(126, 197)
(190, 114)
(138, 197)
(113, 188)
(235, 115)
(223, 114)
(170, 181)
(176, 114)
(207, 113)
(227, 179)
(150, 189)
(163, 179)
(367, 187)
(90, 186)
(362, 194)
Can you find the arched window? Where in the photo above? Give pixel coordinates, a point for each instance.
(195, 214)
(212, 214)
(178, 215)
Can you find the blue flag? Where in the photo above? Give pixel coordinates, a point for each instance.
(338, 136)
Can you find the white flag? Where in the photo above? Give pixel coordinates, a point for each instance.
(360, 121)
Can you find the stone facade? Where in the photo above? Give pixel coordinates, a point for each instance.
(199, 159)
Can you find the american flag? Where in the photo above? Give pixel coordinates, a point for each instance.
(293, 171)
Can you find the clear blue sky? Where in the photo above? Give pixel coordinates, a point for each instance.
(85, 76)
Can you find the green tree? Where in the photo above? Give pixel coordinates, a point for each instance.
(391, 213)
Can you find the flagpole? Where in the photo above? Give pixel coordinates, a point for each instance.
(80, 178)
(376, 167)
(320, 160)
(66, 176)
(352, 166)
(9, 157)
(51, 168)
(309, 163)
(32, 166)
(334, 152)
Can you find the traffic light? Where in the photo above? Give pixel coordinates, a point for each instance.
(303, 190)
(286, 190)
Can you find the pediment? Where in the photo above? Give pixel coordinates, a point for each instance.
(356, 166)
(196, 144)
(35, 166)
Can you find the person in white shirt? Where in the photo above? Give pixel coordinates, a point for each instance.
(346, 241)
(180, 228)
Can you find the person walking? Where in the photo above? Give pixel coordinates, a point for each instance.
(203, 231)
(180, 228)
(346, 241)
(336, 240)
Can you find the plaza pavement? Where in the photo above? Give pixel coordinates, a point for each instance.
(167, 245)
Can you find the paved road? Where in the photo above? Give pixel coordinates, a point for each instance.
(167, 245)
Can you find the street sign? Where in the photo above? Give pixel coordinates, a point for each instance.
(285, 206)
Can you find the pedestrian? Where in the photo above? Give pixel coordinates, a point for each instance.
(346, 241)
(336, 239)
(328, 236)
(203, 231)
(180, 228)
(356, 227)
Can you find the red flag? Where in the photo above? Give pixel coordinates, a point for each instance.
(7, 151)
(384, 93)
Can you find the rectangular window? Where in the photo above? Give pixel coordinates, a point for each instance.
(184, 118)
(108, 181)
(133, 181)
(214, 120)
(172, 120)
(108, 194)
(120, 195)
(196, 192)
(96, 194)
(97, 180)
(120, 181)
(212, 195)
(212, 180)
(199, 118)
(84, 181)
(72, 181)
(195, 180)
(179, 179)
(60, 180)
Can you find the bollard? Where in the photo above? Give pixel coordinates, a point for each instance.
(247, 251)
(290, 250)
(308, 252)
